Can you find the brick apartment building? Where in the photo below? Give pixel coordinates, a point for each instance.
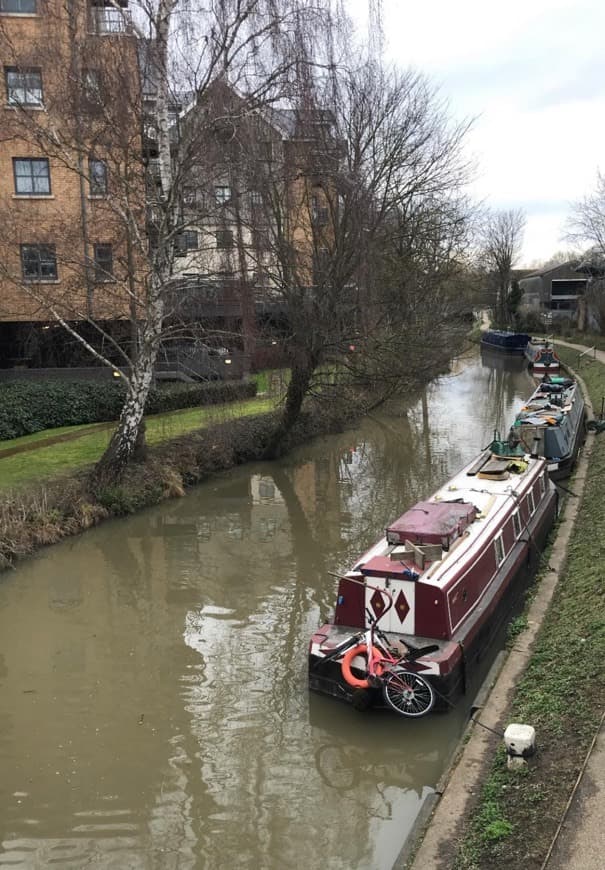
(69, 152)
(259, 201)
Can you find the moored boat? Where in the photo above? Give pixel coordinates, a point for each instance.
(451, 567)
(552, 423)
(542, 357)
(504, 341)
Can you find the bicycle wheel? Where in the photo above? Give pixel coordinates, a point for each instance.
(407, 693)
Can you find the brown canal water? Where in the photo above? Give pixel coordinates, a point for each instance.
(154, 705)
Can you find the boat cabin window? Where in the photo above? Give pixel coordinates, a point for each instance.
(542, 483)
(530, 502)
(517, 524)
(499, 549)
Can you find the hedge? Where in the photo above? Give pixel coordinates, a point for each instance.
(27, 407)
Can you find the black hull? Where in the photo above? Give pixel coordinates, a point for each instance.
(507, 351)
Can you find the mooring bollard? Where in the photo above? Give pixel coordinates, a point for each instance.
(520, 742)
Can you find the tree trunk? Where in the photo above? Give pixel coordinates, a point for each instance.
(300, 378)
(128, 441)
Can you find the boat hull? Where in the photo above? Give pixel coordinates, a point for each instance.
(505, 342)
(558, 430)
(562, 469)
(542, 358)
(457, 660)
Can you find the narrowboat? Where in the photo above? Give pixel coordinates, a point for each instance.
(542, 357)
(452, 566)
(552, 423)
(505, 341)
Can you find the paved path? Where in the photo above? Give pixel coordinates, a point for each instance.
(595, 354)
(580, 844)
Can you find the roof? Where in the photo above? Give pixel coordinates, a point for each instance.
(571, 264)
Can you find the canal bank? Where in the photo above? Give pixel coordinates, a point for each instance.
(486, 816)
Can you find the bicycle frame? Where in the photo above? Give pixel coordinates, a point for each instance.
(405, 692)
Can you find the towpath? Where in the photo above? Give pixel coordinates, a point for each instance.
(580, 840)
(582, 348)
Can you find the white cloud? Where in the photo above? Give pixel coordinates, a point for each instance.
(532, 73)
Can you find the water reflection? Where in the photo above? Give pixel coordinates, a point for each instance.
(156, 713)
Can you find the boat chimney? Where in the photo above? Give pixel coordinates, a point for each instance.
(535, 447)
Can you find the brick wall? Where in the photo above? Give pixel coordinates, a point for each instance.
(66, 130)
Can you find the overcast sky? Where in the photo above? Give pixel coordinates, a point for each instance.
(532, 73)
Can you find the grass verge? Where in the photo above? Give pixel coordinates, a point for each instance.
(73, 455)
(562, 693)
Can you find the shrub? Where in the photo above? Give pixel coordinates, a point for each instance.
(27, 407)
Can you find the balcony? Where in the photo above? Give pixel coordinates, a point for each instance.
(107, 20)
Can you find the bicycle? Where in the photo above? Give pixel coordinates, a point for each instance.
(404, 691)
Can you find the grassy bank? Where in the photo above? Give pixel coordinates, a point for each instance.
(75, 454)
(562, 693)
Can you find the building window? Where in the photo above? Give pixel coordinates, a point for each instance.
(224, 240)
(97, 177)
(256, 198)
(103, 254)
(266, 150)
(23, 86)
(260, 239)
(499, 550)
(319, 214)
(189, 196)
(91, 85)
(186, 241)
(39, 262)
(222, 194)
(19, 7)
(32, 176)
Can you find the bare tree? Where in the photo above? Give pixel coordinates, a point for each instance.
(500, 243)
(586, 223)
(379, 171)
(586, 229)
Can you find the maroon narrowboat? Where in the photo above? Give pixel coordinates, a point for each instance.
(452, 567)
(543, 359)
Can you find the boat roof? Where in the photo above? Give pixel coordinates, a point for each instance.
(548, 404)
(491, 499)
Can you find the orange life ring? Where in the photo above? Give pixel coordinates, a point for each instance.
(360, 650)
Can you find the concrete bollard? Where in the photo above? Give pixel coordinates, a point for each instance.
(520, 742)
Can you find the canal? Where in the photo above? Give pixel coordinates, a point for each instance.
(155, 711)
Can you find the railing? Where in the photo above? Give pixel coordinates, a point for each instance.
(585, 353)
(106, 21)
